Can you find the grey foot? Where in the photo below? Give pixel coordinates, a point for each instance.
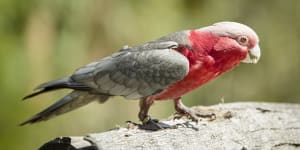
(155, 125)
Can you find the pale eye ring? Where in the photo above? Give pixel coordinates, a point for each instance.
(243, 40)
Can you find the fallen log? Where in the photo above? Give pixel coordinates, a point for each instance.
(240, 126)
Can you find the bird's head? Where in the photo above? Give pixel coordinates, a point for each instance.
(233, 38)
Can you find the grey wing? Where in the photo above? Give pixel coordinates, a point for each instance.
(135, 72)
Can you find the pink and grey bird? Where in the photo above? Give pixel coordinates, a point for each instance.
(162, 69)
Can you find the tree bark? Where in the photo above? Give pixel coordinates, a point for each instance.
(238, 126)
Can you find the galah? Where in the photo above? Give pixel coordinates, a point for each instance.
(162, 69)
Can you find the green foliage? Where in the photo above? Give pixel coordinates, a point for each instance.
(44, 40)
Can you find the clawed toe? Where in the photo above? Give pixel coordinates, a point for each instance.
(190, 113)
(195, 116)
(155, 125)
(188, 124)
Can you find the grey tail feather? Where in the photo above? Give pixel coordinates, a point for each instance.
(57, 84)
(68, 103)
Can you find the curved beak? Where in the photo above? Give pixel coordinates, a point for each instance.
(253, 55)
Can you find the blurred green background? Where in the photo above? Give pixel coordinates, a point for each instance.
(41, 40)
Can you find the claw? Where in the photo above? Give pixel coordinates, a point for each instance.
(196, 116)
(155, 125)
(192, 114)
(188, 124)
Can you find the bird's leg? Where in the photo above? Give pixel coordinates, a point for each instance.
(148, 122)
(194, 115)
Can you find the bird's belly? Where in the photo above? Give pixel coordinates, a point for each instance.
(193, 80)
(197, 76)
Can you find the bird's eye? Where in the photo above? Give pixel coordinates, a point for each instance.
(243, 40)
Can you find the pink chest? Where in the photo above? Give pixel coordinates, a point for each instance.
(198, 75)
(205, 64)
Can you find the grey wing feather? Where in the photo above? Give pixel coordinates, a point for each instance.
(68, 103)
(135, 72)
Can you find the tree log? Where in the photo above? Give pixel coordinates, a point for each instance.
(237, 126)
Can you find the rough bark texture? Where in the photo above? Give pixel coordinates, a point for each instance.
(238, 126)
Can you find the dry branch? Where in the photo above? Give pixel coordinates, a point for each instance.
(238, 126)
